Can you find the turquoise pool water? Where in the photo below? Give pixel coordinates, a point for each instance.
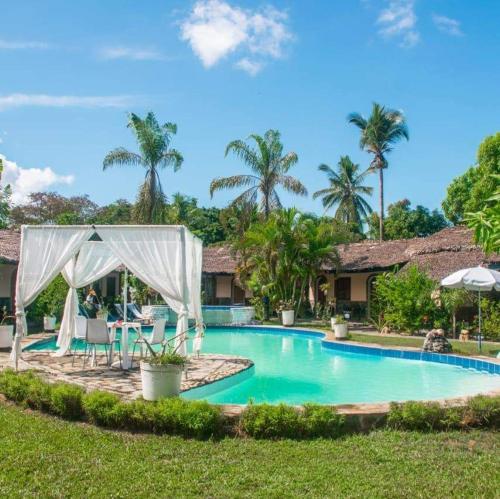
(296, 368)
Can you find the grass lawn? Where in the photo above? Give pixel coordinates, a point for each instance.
(45, 457)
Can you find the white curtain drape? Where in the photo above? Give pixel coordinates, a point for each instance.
(44, 252)
(94, 260)
(160, 256)
(166, 258)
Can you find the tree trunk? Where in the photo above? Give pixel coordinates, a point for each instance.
(381, 217)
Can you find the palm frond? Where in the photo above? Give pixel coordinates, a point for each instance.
(221, 183)
(121, 156)
(292, 184)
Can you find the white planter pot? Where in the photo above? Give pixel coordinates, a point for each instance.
(340, 331)
(102, 315)
(6, 334)
(49, 323)
(333, 320)
(160, 381)
(288, 317)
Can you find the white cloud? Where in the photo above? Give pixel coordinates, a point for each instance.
(23, 45)
(215, 29)
(251, 67)
(41, 100)
(24, 181)
(399, 20)
(447, 25)
(130, 53)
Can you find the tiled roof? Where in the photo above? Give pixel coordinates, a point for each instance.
(440, 254)
(9, 246)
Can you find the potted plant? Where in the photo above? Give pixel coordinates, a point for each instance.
(340, 327)
(161, 373)
(6, 331)
(287, 312)
(102, 313)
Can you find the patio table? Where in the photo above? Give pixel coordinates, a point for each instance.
(125, 326)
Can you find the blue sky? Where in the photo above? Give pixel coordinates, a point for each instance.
(221, 70)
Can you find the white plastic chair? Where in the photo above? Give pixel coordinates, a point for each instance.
(157, 336)
(97, 334)
(80, 332)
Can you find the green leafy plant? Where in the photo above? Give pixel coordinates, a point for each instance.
(405, 298)
(99, 406)
(66, 400)
(284, 421)
(340, 319)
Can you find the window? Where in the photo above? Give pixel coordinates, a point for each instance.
(343, 288)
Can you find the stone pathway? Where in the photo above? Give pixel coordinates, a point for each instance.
(200, 371)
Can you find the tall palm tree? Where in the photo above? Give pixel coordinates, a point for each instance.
(379, 133)
(155, 154)
(346, 190)
(269, 170)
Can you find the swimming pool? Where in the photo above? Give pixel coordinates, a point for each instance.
(296, 367)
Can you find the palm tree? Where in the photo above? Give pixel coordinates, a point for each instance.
(346, 190)
(155, 153)
(379, 132)
(269, 170)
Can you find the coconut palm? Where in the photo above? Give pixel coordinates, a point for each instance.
(269, 170)
(155, 154)
(379, 133)
(346, 191)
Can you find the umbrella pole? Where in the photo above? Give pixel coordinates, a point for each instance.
(480, 337)
(125, 292)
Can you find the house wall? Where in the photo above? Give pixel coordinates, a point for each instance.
(6, 271)
(358, 285)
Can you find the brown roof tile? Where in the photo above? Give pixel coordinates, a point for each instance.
(9, 246)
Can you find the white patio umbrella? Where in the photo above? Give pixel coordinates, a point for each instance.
(474, 279)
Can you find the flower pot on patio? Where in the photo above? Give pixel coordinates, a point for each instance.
(49, 323)
(288, 317)
(333, 321)
(6, 334)
(160, 381)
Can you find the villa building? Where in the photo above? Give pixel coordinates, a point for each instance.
(439, 255)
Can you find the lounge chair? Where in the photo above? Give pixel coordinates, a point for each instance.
(132, 309)
(157, 337)
(121, 315)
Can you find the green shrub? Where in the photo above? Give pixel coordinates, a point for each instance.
(99, 406)
(271, 421)
(66, 400)
(39, 395)
(482, 411)
(189, 418)
(15, 386)
(421, 416)
(322, 421)
(491, 319)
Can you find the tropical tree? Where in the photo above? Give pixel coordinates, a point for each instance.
(379, 133)
(269, 168)
(281, 256)
(155, 154)
(346, 191)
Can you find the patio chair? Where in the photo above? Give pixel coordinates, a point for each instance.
(157, 336)
(82, 311)
(97, 334)
(80, 332)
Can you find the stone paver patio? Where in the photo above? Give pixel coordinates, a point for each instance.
(200, 371)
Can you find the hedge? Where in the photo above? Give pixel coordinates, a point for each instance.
(199, 419)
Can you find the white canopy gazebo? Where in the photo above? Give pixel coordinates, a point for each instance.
(167, 258)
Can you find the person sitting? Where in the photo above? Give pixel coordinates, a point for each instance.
(92, 304)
